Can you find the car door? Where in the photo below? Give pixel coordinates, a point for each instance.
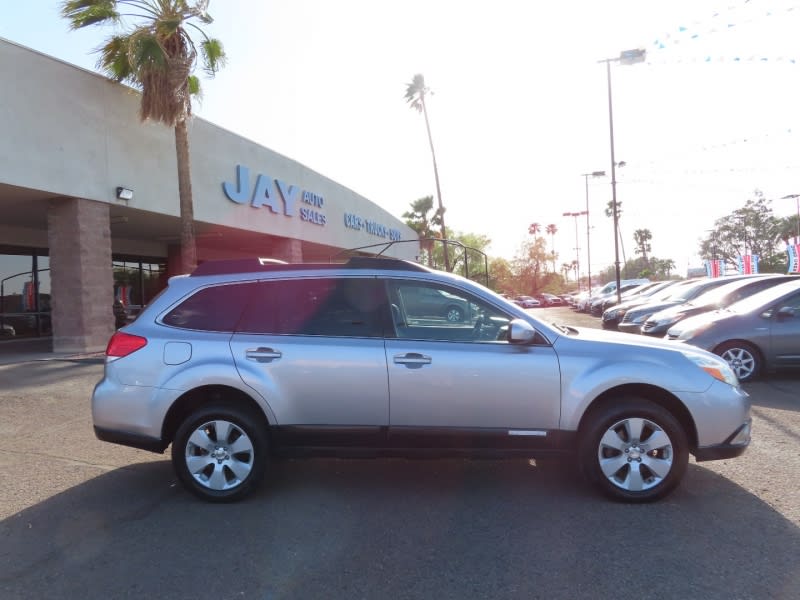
(464, 384)
(785, 333)
(313, 349)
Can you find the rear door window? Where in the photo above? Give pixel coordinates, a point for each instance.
(338, 307)
(216, 308)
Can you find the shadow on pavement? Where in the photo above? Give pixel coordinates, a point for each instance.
(398, 529)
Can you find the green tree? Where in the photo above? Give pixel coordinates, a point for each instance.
(501, 277)
(415, 96)
(528, 265)
(158, 56)
(751, 229)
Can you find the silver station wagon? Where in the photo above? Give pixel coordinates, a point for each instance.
(244, 361)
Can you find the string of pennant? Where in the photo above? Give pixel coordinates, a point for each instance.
(729, 21)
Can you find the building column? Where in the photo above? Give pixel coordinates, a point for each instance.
(289, 250)
(81, 276)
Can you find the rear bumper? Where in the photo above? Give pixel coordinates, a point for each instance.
(134, 440)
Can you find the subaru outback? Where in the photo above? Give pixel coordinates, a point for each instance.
(245, 361)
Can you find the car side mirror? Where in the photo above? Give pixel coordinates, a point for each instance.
(520, 332)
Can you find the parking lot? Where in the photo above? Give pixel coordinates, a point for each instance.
(84, 519)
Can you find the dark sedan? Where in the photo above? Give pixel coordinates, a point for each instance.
(634, 319)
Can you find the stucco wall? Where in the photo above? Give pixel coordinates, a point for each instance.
(71, 132)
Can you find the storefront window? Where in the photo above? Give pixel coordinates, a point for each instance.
(136, 282)
(24, 295)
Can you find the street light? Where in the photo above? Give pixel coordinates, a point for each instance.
(588, 246)
(577, 249)
(626, 57)
(797, 199)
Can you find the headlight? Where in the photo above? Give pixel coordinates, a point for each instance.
(716, 367)
(610, 314)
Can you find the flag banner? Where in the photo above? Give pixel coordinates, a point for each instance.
(714, 268)
(747, 264)
(794, 257)
(28, 300)
(123, 294)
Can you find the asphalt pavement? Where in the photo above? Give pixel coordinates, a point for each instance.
(80, 518)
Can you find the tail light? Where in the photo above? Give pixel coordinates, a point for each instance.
(121, 344)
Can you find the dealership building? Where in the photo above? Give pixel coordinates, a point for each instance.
(90, 211)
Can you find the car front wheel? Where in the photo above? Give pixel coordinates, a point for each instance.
(634, 450)
(742, 358)
(220, 453)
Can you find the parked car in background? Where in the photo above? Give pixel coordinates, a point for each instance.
(596, 306)
(634, 318)
(527, 302)
(612, 316)
(721, 297)
(243, 361)
(425, 302)
(585, 304)
(549, 299)
(753, 335)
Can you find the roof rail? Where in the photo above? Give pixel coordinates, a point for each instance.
(254, 265)
(462, 257)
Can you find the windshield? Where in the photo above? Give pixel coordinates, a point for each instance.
(763, 299)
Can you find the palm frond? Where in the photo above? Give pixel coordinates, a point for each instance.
(82, 13)
(213, 56)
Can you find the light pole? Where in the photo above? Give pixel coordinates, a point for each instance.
(588, 246)
(577, 249)
(626, 57)
(797, 199)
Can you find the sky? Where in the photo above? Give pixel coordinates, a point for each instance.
(519, 106)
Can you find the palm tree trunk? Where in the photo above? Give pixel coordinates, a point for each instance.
(438, 189)
(188, 242)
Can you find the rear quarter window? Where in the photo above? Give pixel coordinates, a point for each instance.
(216, 308)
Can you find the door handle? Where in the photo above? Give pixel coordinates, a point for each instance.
(412, 359)
(262, 355)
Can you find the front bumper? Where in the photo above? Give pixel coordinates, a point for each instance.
(734, 446)
(630, 327)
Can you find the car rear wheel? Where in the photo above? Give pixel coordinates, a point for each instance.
(633, 450)
(220, 453)
(454, 314)
(743, 358)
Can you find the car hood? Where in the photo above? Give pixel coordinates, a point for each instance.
(649, 308)
(699, 321)
(585, 352)
(626, 339)
(687, 309)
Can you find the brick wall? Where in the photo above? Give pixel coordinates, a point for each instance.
(82, 284)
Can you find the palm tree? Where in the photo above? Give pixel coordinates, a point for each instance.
(534, 228)
(609, 211)
(642, 238)
(552, 230)
(415, 96)
(158, 56)
(419, 220)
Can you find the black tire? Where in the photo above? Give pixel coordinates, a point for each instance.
(646, 473)
(743, 358)
(241, 453)
(454, 314)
